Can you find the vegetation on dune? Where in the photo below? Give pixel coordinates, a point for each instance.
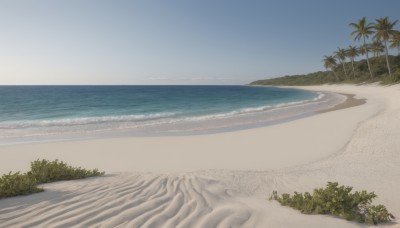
(338, 201)
(15, 184)
(45, 171)
(42, 171)
(382, 67)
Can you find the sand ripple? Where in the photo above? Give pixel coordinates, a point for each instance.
(129, 200)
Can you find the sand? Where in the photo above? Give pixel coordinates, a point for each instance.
(219, 180)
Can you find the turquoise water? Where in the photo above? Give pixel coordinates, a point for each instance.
(51, 110)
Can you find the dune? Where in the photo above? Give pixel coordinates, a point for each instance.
(219, 180)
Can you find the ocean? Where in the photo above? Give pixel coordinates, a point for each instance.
(47, 113)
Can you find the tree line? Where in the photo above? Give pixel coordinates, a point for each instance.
(375, 38)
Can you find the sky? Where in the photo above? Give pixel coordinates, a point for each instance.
(48, 42)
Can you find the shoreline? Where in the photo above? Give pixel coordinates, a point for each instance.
(348, 103)
(188, 150)
(221, 179)
(245, 121)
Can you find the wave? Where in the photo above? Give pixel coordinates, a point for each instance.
(83, 120)
(255, 109)
(144, 119)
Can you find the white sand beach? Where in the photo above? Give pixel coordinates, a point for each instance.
(219, 180)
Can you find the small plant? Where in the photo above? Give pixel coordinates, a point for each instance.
(42, 171)
(339, 201)
(45, 171)
(14, 184)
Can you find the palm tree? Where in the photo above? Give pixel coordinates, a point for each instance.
(395, 41)
(383, 31)
(363, 30)
(341, 55)
(330, 63)
(363, 49)
(352, 53)
(377, 48)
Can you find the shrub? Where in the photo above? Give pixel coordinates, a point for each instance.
(339, 201)
(42, 171)
(14, 184)
(45, 171)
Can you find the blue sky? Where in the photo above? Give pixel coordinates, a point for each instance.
(173, 42)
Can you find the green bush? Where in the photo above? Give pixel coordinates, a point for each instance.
(339, 201)
(45, 171)
(42, 171)
(14, 184)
